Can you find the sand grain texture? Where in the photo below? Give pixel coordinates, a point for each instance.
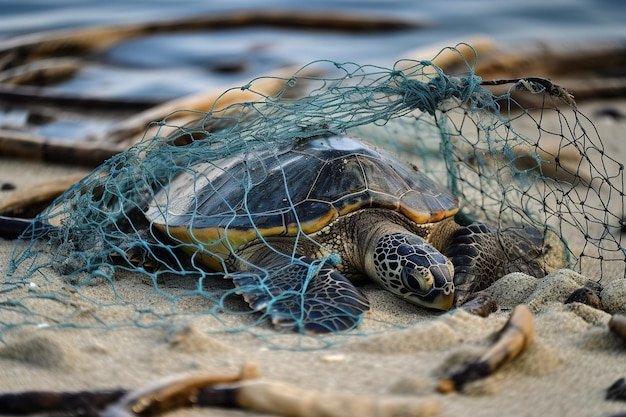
(565, 372)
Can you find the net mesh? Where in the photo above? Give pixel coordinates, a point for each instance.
(508, 164)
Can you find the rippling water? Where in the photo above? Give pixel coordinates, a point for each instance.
(161, 67)
(448, 19)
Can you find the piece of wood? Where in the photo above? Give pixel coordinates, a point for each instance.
(172, 393)
(29, 202)
(515, 337)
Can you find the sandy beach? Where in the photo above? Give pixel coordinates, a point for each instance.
(399, 351)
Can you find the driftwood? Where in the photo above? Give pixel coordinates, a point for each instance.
(29, 202)
(247, 391)
(515, 337)
(172, 393)
(243, 391)
(129, 131)
(58, 49)
(30, 62)
(28, 48)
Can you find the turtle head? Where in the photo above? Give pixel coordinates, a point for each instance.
(409, 267)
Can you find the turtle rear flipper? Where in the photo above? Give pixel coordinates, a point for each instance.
(298, 296)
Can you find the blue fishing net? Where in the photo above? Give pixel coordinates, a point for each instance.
(508, 164)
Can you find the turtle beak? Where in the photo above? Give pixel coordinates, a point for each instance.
(444, 299)
(441, 297)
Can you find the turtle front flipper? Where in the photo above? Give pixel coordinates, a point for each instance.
(482, 254)
(300, 293)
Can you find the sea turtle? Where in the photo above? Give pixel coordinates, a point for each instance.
(275, 220)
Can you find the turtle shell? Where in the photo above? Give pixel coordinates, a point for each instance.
(304, 186)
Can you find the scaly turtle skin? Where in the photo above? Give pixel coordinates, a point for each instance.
(337, 195)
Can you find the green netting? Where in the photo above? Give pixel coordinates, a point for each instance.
(509, 165)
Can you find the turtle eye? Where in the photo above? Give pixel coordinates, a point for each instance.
(417, 278)
(414, 273)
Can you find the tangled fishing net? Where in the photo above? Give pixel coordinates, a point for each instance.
(507, 164)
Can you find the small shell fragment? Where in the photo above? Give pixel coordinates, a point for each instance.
(333, 358)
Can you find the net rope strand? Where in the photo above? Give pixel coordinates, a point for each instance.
(507, 164)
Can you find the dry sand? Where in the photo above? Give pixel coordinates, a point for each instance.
(565, 372)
